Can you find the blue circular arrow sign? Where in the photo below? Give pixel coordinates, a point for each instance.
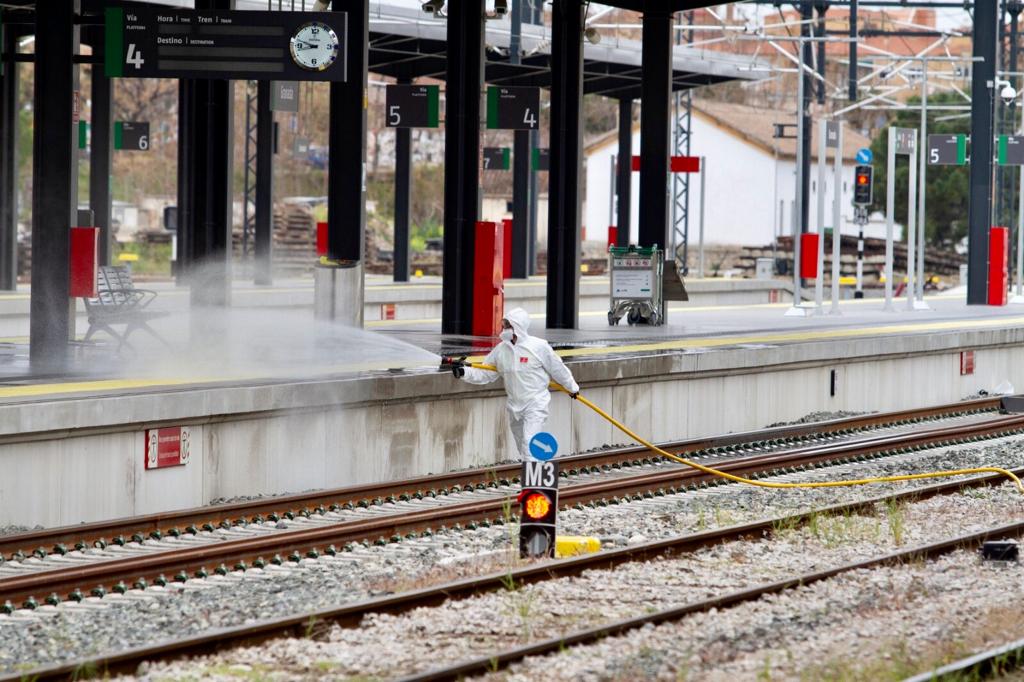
(864, 155)
(543, 446)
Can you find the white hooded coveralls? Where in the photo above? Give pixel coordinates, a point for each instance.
(527, 366)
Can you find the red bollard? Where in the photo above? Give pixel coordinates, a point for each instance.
(809, 255)
(506, 260)
(84, 261)
(488, 283)
(321, 239)
(998, 270)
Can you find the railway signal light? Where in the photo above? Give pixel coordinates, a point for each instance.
(539, 509)
(863, 184)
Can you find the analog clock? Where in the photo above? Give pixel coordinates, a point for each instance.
(314, 46)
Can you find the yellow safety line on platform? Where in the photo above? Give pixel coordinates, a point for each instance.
(769, 484)
(99, 385)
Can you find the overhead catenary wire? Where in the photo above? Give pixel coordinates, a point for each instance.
(772, 484)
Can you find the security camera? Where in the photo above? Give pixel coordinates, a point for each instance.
(1008, 94)
(433, 6)
(321, 5)
(500, 7)
(592, 35)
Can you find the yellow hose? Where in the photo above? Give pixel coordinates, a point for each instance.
(767, 484)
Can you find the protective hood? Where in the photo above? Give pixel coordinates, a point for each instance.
(520, 321)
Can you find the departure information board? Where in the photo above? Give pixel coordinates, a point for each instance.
(1011, 150)
(170, 42)
(541, 159)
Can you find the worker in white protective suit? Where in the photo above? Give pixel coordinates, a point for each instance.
(527, 364)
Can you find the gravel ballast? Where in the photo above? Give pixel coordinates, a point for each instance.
(70, 631)
(950, 589)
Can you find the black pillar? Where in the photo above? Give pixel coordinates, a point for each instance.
(403, 199)
(54, 182)
(853, 51)
(822, 8)
(263, 237)
(980, 198)
(9, 165)
(186, 157)
(521, 167)
(655, 120)
(806, 53)
(624, 172)
(100, 159)
(346, 168)
(461, 162)
(564, 174)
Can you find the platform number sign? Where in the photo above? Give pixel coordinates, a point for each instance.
(168, 447)
(539, 502)
(132, 136)
(412, 106)
(1011, 150)
(497, 158)
(947, 150)
(541, 159)
(513, 108)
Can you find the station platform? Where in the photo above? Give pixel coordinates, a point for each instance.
(269, 411)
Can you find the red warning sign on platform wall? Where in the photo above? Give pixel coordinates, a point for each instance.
(167, 447)
(966, 362)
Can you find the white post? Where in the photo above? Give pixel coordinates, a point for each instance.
(912, 228)
(837, 216)
(922, 204)
(819, 282)
(890, 206)
(703, 185)
(1019, 296)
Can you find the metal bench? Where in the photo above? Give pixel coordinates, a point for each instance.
(120, 303)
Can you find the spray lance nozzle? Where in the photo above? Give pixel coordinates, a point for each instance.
(449, 362)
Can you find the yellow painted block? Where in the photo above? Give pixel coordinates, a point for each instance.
(575, 545)
(847, 281)
(419, 273)
(132, 257)
(584, 267)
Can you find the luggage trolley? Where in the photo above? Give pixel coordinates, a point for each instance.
(636, 284)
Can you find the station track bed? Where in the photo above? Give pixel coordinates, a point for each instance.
(61, 540)
(352, 615)
(74, 576)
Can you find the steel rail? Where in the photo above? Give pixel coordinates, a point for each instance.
(164, 523)
(351, 615)
(181, 564)
(995, 662)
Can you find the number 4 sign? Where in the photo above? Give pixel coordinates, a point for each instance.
(513, 108)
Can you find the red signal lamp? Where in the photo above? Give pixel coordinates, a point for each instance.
(537, 505)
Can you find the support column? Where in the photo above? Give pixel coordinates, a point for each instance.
(9, 165)
(852, 78)
(655, 138)
(521, 170)
(565, 170)
(54, 183)
(338, 285)
(210, 201)
(980, 197)
(461, 162)
(403, 199)
(624, 173)
(263, 241)
(804, 172)
(186, 159)
(100, 155)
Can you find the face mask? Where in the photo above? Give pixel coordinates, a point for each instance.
(506, 335)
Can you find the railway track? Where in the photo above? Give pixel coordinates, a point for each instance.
(126, 531)
(97, 572)
(351, 615)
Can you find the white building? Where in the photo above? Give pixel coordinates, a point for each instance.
(751, 178)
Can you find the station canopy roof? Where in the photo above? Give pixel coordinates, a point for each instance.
(406, 42)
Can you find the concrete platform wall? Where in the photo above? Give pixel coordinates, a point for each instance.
(292, 437)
